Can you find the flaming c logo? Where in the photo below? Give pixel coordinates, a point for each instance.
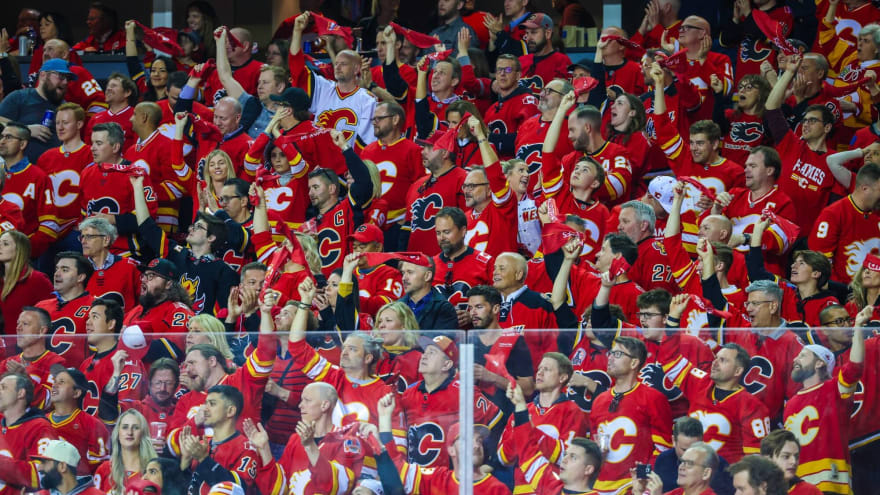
(341, 119)
(191, 286)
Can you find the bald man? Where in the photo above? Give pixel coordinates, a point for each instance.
(245, 69)
(695, 34)
(85, 90)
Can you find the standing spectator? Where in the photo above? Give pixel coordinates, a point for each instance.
(651, 269)
(104, 33)
(531, 133)
(660, 20)
(695, 35)
(152, 88)
(624, 75)
(515, 105)
(459, 266)
(239, 59)
(476, 19)
(649, 427)
(743, 125)
(352, 114)
(120, 96)
(22, 285)
(742, 30)
(30, 106)
(449, 15)
(505, 35)
(543, 63)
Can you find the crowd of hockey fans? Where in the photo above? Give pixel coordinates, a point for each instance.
(241, 270)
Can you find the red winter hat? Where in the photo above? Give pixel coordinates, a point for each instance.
(367, 233)
(872, 262)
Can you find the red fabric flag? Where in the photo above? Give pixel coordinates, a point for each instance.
(708, 308)
(776, 32)
(495, 363)
(618, 267)
(677, 62)
(839, 91)
(699, 185)
(623, 41)
(439, 56)
(310, 226)
(274, 268)
(263, 175)
(160, 40)
(235, 42)
(789, 228)
(325, 26)
(583, 85)
(123, 168)
(209, 66)
(555, 235)
(415, 258)
(418, 39)
(450, 139)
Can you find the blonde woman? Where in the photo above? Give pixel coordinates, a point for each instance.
(865, 287)
(217, 170)
(130, 450)
(398, 328)
(205, 329)
(22, 285)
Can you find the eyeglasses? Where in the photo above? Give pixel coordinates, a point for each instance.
(647, 315)
(148, 276)
(195, 226)
(377, 118)
(4, 137)
(838, 322)
(689, 463)
(504, 70)
(689, 28)
(89, 237)
(810, 120)
(745, 87)
(471, 187)
(226, 199)
(756, 303)
(618, 354)
(615, 401)
(551, 90)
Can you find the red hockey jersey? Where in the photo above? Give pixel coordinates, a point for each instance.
(538, 71)
(64, 168)
(529, 146)
(122, 118)
(120, 281)
(20, 442)
(454, 277)
(68, 337)
(805, 178)
(98, 369)
(88, 434)
(400, 166)
(39, 371)
(426, 197)
(493, 230)
(845, 234)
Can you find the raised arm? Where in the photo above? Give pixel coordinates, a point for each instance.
(224, 70)
(658, 77)
(307, 291)
(571, 251)
(777, 94)
(555, 128)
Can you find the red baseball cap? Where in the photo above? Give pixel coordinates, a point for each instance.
(537, 21)
(367, 233)
(872, 262)
(432, 139)
(443, 343)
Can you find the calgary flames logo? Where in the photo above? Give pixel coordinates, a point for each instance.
(341, 119)
(191, 286)
(856, 251)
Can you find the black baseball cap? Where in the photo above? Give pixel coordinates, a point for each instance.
(296, 98)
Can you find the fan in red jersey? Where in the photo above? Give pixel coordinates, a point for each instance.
(109, 369)
(416, 478)
(120, 96)
(319, 455)
(26, 185)
(695, 35)
(515, 105)
(228, 455)
(26, 435)
(632, 422)
(744, 128)
(824, 450)
(114, 277)
(85, 432)
(556, 418)
(651, 269)
(754, 29)
(611, 58)
(543, 62)
(34, 361)
(245, 69)
(782, 447)
(849, 230)
(70, 306)
(354, 378)
(431, 193)
(744, 205)
(63, 165)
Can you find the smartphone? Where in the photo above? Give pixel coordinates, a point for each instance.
(642, 471)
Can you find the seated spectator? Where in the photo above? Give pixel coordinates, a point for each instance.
(22, 285)
(625, 76)
(104, 34)
(755, 474)
(782, 447)
(69, 307)
(697, 468)
(85, 431)
(53, 25)
(152, 88)
(121, 95)
(58, 462)
(34, 361)
(26, 185)
(686, 432)
(131, 449)
(85, 90)
(114, 277)
(217, 170)
(431, 309)
(206, 329)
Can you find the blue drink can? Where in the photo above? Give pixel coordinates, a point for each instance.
(48, 117)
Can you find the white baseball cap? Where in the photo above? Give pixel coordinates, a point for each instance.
(60, 451)
(824, 354)
(662, 188)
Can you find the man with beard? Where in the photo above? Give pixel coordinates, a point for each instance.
(459, 266)
(515, 105)
(164, 309)
(109, 369)
(29, 106)
(26, 185)
(341, 104)
(451, 23)
(543, 62)
(530, 135)
(58, 465)
(824, 437)
(26, 433)
(205, 367)
(164, 379)
(86, 92)
(207, 278)
(120, 97)
(432, 310)
(69, 307)
(431, 193)
(401, 165)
